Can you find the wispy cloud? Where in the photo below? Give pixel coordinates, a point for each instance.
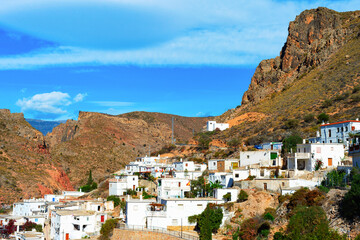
(79, 97)
(157, 32)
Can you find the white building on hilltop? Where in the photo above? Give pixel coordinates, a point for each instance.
(213, 125)
(337, 132)
(330, 154)
(264, 158)
(29, 207)
(173, 187)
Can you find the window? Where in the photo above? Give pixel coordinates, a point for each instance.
(174, 222)
(329, 132)
(181, 206)
(342, 129)
(283, 184)
(179, 184)
(330, 141)
(236, 175)
(346, 129)
(214, 163)
(338, 130)
(248, 156)
(262, 172)
(304, 150)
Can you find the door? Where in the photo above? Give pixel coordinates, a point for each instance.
(329, 161)
(133, 187)
(102, 218)
(265, 186)
(67, 237)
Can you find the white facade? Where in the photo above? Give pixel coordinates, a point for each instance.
(338, 132)
(31, 207)
(53, 197)
(220, 192)
(225, 179)
(71, 194)
(75, 224)
(171, 212)
(265, 158)
(330, 154)
(222, 165)
(212, 125)
(120, 184)
(187, 175)
(354, 151)
(239, 175)
(183, 166)
(173, 187)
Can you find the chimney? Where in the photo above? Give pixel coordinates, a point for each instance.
(141, 197)
(357, 119)
(317, 134)
(304, 141)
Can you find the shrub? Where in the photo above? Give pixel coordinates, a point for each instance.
(115, 199)
(323, 117)
(243, 196)
(269, 217)
(290, 143)
(323, 189)
(318, 165)
(271, 211)
(350, 205)
(227, 196)
(356, 89)
(291, 123)
(334, 179)
(327, 103)
(107, 228)
(309, 118)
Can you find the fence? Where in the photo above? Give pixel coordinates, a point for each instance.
(178, 234)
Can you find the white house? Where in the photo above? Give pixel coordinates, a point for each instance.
(29, 207)
(330, 154)
(223, 165)
(220, 192)
(264, 158)
(173, 187)
(119, 185)
(338, 132)
(272, 146)
(53, 197)
(225, 179)
(170, 212)
(72, 194)
(184, 166)
(354, 151)
(74, 224)
(187, 175)
(212, 125)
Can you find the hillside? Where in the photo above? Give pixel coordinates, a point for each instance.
(26, 167)
(317, 72)
(105, 143)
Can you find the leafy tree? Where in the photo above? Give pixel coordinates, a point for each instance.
(90, 179)
(115, 199)
(350, 206)
(204, 142)
(323, 117)
(199, 187)
(90, 184)
(208, 221)
(291, 123)
(334, 179)
(310, 223)
(243, 196)
(290, 143)
(309, 118)
(269, 217)
(107, 228)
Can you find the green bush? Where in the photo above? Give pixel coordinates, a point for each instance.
(291, 123)
(115, 199)
(309, 118)
(269, 217)
(290, 143)
(323, 117)
(335, 179)
(350, 205)
(323, 189)
(243, 196)
(107, 228)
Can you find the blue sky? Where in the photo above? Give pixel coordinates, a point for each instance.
(192, 58)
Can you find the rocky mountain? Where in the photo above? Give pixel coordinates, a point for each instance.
(26, 166)
(32, 165)
(317, 72)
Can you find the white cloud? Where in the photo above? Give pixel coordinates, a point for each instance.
(80, 97)
(158, 32)
(52, 103)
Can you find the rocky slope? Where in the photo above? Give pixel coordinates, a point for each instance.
(26, 167)
(105, 143)
(317, 71)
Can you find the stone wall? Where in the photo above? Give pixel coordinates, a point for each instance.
(133, 235)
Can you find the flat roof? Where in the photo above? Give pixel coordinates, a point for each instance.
(348, 121)
(191, 199)
(74, 212)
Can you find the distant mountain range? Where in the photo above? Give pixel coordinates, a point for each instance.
(44, 126)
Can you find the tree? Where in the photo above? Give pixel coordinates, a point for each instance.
(204, 142)
(243, 196)
(323, 117)
(208, 221)
(350, 205)
(115, 199)
(90, 184)
(290, 143)
(90, 179)
(107, 228)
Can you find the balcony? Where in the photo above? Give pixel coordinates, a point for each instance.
(354, 148)
(300, 155)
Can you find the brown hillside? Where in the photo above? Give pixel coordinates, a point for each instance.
(317, 71)
(26, 167)
(105, 143)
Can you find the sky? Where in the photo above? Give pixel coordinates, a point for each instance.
(190, 58)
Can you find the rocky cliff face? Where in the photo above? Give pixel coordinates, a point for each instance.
(26, 166)
(313, 37)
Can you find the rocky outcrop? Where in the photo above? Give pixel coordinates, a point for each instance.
(313, 37)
